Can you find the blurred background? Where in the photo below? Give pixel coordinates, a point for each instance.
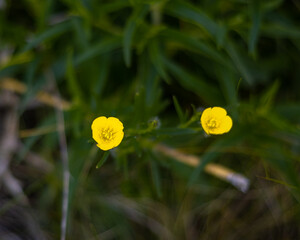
(155, 65)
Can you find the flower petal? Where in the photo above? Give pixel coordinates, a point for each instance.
(115, 124)
(111, 126)
(97, 124)
(118, 138)
(219, 112)
(206, 115)
(226, 124)
(105, 146)
(215, 121)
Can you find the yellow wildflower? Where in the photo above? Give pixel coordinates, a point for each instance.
(107, 132)
(215, 121)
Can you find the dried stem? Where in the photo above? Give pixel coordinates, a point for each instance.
(8, 145)
(66, 172)
(42, 96)
(64, 156)
(156, 13)
(219, 171)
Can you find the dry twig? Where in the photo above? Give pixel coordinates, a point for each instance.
(217, 170)
(42, 96)
(64, 155)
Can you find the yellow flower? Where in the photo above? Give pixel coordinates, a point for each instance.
(107, 132)
(215, 121)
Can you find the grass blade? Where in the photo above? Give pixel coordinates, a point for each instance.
(256, 16)
(129, 31)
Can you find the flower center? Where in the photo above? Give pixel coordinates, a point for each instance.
(212, 123)
(107, 134)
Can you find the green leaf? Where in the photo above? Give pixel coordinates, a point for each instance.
(133, 22)
(195, 45)
(238, 59)
(18, 59)
(31, 71)
(280, 30)
(256, 16)
(139, 106)
(102, 79)
(228, 84)
(156, 56)
(113, 6)
(179, 111)
(195, 84)
(149, 32)
(104, 46)
(221, 35)
(279, 182)
(192, 14)
(289, 111)
(156, 177)
(80, 33)
(214, 151)
(148, 79)
(29, 142)
(73, 83)
(268, 97)
(103, 159)
(271, 5)
(57, 30)
(171, 132)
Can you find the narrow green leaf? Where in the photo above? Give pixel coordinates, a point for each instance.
(148, 77)
(18, 59)
(31, 93)
(279, 182)
(268, 97)
(29, 142)
(107, 45)
(179, 111)
(271, 5)
(280, 30)
(102, 47)
(103, 159)
(221, 35)
(195, 45)
(139, 104)
(80, 33)
(113, 6)
(150, 32)
(156, 57)
(156, 177)
(228, 83)
(133, 22)
(73, 84)
(256, 16)
(192, 14)
(104, 68)
(57, 30)
(213, 152)
(239, 61)
(195, 84)
(170, 132)
(290, 111)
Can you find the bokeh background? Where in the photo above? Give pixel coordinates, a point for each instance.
(155, 65)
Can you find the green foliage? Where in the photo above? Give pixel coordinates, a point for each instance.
(156, 65)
